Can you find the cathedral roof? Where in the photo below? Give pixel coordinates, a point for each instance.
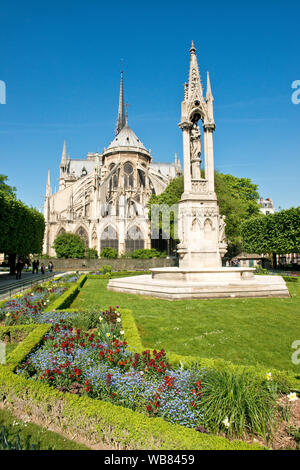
(126, 138)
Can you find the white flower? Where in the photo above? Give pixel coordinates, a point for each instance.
(292, 396)
(141, 372)
(119, 320)
(269, 376)
(122, 332)
(100, 318)
(226, 422)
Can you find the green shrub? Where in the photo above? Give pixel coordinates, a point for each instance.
(109, 253)
(91, 253)
(106, 268)
(69, 245)
(145, 253)
(260, 270)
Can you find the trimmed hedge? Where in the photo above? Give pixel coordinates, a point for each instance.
(65, 300)
(13, 331)
(117, 274)
(291, 278)
(32, 340)
(115, 426)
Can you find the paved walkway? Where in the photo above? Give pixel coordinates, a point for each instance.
(9, 285)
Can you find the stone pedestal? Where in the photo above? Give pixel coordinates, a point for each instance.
(179, 284)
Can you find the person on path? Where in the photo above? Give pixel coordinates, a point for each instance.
(43, 268)
(19, 267)
(50, 267)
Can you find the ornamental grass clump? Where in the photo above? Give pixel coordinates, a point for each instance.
(237, 404)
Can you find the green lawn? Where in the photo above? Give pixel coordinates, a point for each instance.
(243, 331)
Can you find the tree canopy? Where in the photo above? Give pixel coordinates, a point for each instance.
(277, 233)
(21, 227)
(6, 188)
(69, 245)
(237, 199)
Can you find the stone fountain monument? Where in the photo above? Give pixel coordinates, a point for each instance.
(201, 228)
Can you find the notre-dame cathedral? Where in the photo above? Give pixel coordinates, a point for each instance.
(103, 197)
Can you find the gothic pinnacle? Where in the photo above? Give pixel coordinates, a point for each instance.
(121, 112)
(64, 155)
(208, 88)
(193, 49)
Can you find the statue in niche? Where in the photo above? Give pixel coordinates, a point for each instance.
(195, 142)
(195, 152)
(222, 225)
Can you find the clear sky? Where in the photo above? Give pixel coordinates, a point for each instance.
(61, 61)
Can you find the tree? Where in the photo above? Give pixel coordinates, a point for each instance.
(69, 245)
(21, 228)
(5, 188)
(277, 233)
(237, 199)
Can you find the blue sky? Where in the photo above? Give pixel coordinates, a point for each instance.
(61, 65)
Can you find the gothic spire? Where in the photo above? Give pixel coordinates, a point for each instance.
(121, 113)
(195, 86)
(64, 155)
(48, 187)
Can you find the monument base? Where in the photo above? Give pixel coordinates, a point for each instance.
(204, 283)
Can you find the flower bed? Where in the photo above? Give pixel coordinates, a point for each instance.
(100, 365)
(29, 307)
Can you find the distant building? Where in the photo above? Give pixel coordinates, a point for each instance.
(103, 197)
(266, 206)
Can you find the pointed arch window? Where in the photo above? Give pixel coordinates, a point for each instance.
(109, 238)
(83, 235)
(134, 239)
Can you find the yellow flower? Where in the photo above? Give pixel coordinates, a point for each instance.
(269, 376)
(107, 334)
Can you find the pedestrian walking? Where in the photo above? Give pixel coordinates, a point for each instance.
(43, 268)
(19, 267)
(50, 267)
(35, 266)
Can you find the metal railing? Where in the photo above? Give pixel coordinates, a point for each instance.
(9, 289)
